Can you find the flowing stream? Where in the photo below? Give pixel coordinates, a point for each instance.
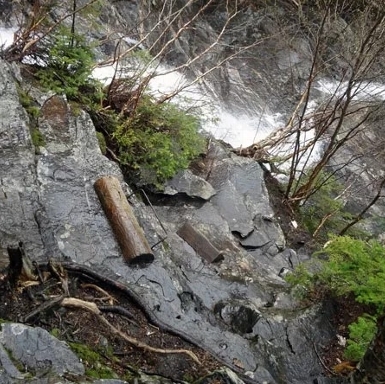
(238, 130)
(235, 128)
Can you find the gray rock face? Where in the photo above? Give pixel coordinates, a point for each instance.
(48, 202)
(9, 370)
(13, 119)
(240, 317)
(190, 184)
(71, 157)
(36, 350)
(364, 173)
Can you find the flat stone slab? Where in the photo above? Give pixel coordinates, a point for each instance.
(190, 184)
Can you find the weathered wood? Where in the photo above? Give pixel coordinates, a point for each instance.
(15, 264)
(200, 243)
(128, 233)
(20, 269)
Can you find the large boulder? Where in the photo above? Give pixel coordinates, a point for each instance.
(36, 351)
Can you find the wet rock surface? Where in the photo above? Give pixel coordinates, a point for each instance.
(36, 349)
(239, 309)
(190, 184)
(365, 171)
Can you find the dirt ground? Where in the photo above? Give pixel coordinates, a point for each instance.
(24, 302)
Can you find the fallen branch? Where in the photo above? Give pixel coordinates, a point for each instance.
(92, 308)
(42, 307)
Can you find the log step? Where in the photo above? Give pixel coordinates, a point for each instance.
(200, 243)
(128, 233)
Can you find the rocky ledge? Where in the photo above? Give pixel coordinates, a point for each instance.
(238, 308)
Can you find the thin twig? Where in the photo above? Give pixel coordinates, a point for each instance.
(60, 273)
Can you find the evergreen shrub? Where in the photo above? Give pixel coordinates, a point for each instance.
(158, 140)
(326, 202)
(361, 333)
(65, 63)
(349, 266)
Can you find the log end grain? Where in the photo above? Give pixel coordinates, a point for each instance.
(142, 260)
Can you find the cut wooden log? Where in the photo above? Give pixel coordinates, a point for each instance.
(128, 233)
(200, 243)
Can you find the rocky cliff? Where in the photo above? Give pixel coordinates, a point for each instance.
(238, 308)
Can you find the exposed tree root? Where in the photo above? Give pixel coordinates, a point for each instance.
(107, 296)
(91, 307)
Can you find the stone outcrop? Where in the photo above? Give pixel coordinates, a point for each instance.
(239, 309)
(190, 184)
(37, 351)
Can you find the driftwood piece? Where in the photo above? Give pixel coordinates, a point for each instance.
(200, 243)
(126, 228)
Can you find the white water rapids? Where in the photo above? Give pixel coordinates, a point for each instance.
(242, 130)
(239, 130)
(7, 36)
